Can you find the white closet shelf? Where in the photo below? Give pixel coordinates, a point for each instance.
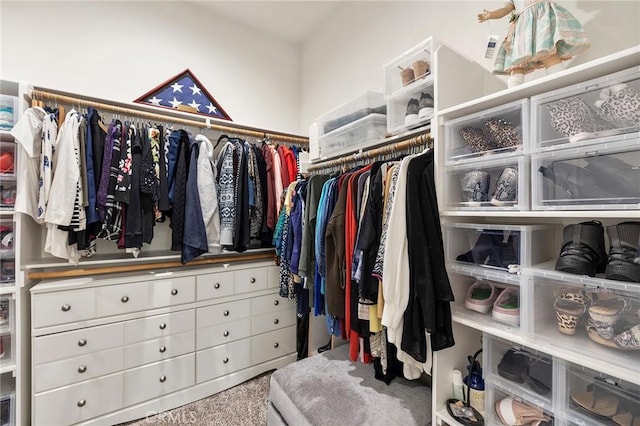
(7, 288)
(605, 214)
(8, 368)
(5, 135)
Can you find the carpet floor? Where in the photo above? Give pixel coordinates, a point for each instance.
(242, 405)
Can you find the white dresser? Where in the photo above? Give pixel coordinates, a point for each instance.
(107, 350)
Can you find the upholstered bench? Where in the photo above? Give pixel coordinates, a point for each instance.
(330, 389)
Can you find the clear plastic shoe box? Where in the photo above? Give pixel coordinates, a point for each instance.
(498, 391)
(525, 370)
(502, 183)
(500, 247)
(7, 253)
(592, 398)
(7, 400)
(582, 314)
(7, 330)
(417, 63)
(603, 177)
(398, 121)
(595, 111)
(470, 138)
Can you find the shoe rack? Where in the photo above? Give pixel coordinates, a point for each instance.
(14, 309)
(573, 365)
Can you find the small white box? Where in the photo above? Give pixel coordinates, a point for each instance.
(470, 138)
(359, 134)
(603, 177)
(483, 185)
(563, 304)
(500, 247)
(527, 370)
(592, 112)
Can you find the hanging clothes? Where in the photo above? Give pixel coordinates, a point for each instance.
(206, 178)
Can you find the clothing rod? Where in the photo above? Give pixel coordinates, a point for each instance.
(418, 140)
(133, 111)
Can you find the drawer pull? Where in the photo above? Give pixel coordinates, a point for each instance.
(225, 313)
(66, 308)
(163, 326)
(82, 369)
(82, 342)
(124, 299)
(82, 403)
(276, 345)
(216, 285)
(163, 379)
(276, 302)
(174, 292)
(275, 321)
(163, 349)
(225, 360)
(253, 280)
(226, 333)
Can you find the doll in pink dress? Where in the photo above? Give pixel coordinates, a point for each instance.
(542, 34)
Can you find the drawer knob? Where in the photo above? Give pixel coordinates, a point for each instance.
(163, 379)
(253, 280)
(216, 285)
(174, 291)
(82, 342)
(163, 326)
(226, 333)
(275, 321)
(82, 403)
(276, 302)
(225, 313)
(225, 360)
(124, 299)
(163, 349)
(82, 369)
(276, 345)
(66, 308)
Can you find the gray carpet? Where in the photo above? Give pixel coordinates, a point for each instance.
(242, 405)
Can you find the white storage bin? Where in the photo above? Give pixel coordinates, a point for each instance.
(501, 392)
(476, 291)
(7, 321)
(7, 161)
(501, 184)
(411, 69)
(359, 134)
(527, 371)
(565, 306)
(502, 131)
(350, 112)
(8, 111)
(500, 247)
(603, 177)
(398, 119)
(617, 399)
(586, 113)
(7, 408)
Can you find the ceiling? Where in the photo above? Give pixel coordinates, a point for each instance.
(290, 20)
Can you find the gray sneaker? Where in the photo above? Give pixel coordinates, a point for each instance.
(475, 187)
(412, 111)
(425, 106)
(506, 188)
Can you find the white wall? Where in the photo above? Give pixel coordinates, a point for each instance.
(344, 57)
(120, 50)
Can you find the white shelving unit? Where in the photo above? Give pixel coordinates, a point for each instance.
(471, 327)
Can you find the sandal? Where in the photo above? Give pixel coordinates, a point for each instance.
(514, 413)
(516, 366)
(606, 313)
(570, 307)
(597, 402)
(628, 417)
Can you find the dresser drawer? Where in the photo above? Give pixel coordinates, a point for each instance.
(77, 343)
(73, 370)
(273, 276)
(159, 349)
(224, 312)
(150, 381)
(63, 307)
(270, 303)
(76, 403)
(221, 360)
(272, 321)
(124, 298)
(223, 333)
(218, 284)
(273, 345)
(159, 325)
(246, 280)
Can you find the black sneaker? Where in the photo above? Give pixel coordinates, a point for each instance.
(624, 252)
(425, 107)
(583, 251)
(412, 111)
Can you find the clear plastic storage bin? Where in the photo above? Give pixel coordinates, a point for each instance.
(350, 112)
(604, 177)
(7, 407)
(528, 371)
(502, 131)
(592, 316)
(359, 134)
(8, 111)
(500, 247)
(489, 185)
(592, 398)
(597, 110)
(401, 118)
(411, 70)
(7, 161)
(501, 398)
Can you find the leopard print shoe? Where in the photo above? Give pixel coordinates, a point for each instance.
(573, 119)
(570, 307)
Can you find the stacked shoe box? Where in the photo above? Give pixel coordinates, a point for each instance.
(409, 88)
